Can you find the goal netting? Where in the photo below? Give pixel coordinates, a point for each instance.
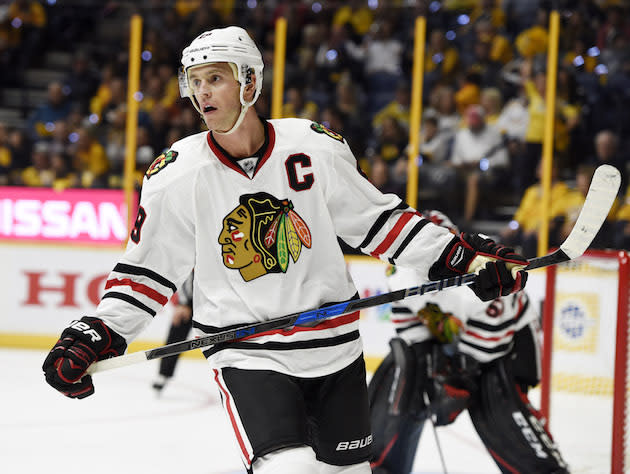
(585, 362)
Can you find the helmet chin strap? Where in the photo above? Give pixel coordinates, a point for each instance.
(239, 120)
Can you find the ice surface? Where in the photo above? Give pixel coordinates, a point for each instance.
(125, 429)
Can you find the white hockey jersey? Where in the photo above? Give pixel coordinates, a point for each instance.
(488, 327)
(263, 244)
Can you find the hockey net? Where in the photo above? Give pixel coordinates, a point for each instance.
(586, 310)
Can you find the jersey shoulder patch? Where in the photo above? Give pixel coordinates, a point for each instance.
(161, 162)
(319, 128)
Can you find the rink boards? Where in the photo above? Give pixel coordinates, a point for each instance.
(45, 286)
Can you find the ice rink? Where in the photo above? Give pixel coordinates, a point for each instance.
(125, 429)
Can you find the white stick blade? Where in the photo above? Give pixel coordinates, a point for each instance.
(115, 362)
(599, 199)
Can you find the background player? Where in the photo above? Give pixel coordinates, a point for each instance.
(454, 352)
(180, 327)
(255, 206)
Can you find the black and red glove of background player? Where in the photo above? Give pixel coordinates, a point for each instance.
(82, 343)
(499, 269)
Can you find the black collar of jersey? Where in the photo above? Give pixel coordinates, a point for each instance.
(262, 154)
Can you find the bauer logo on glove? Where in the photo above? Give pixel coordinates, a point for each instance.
(500, 270)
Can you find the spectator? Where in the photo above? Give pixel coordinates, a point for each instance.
(383, 64)
(63, 176)
(572, 203)
(81, 82)
(170, 86)
(479, 156)
(350, 106)
(616, 56)
(513, 121)
(615, 25)
(433, 143)
(335, 55)
(386, 155)
(501, 50)
(116, 100)
(442, 103)
(297, 106)
(397, 109)
(6, 159)
(491, 101)
(488, 10)
(103, 93)
(89, 160)
(60, 139)
(535, 85)
(606, 149)
(440, 59)
(28, 19)
(115, 139)
(533, 40)
(38, 174)
(434, 172)
(482, 64)
(607, 152)
(57, 107)
(20, 147)
(523, 229)
(159, 125)
(357, 14)
(469, 91)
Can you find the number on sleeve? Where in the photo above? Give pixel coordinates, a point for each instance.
(137, 227)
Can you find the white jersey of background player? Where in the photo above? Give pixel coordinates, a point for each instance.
(255, 207)
(488, 327)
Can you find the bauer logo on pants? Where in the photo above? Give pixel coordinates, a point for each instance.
(261, 234)
(354, 444)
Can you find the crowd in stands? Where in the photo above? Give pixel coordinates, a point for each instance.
(348, 66)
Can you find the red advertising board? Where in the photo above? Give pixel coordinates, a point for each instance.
(95, 216)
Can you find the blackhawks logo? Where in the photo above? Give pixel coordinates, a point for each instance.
(319, 128)
(160, 162)
(261, 235)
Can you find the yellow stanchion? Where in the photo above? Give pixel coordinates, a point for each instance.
(278, 68)
(550, 112)
(416, 111)
(133, 87)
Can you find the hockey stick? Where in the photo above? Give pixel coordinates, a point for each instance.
(601, 195)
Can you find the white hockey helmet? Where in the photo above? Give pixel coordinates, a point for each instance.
(224, 45)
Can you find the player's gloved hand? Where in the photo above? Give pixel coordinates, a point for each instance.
(500, 270)
(444, 326)
(82, 343)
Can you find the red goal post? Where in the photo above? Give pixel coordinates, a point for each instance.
(613, 262)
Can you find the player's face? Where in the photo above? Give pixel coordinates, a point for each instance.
(217, 93)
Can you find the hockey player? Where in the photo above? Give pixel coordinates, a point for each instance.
(180, 327)
(455, 352)
(255, 207)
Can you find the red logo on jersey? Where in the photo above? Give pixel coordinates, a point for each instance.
(261, 235)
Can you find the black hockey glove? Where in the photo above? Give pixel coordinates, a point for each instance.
(82, 343)
(499, 269)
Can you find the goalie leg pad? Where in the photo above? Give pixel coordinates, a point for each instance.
(509, 427)
(397, 412)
